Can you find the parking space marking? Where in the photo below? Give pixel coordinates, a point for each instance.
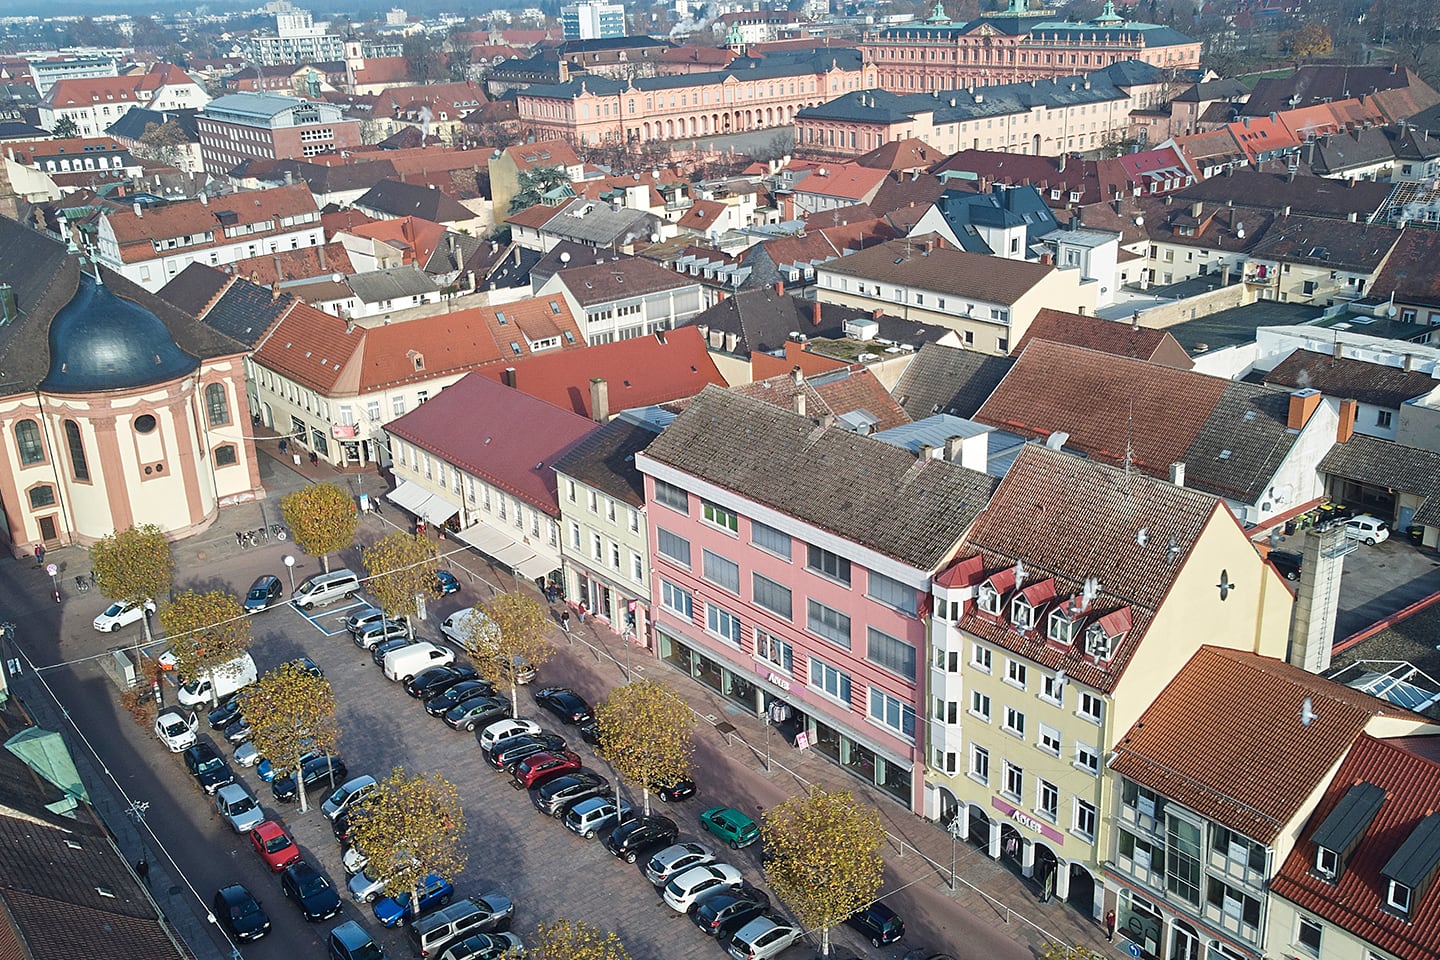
(316, 619)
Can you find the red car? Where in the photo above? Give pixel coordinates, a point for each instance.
(540, 767)
(274, 846)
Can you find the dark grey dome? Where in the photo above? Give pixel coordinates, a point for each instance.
(99, 341)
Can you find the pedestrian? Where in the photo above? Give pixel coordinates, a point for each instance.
(314, 458)
(581, 611)
(1110, 926)
(375, 505)
(39, 554)
(565, 621)
(142, 870)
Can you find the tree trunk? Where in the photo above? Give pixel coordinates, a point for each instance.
(300, 780)
(646, 791)
(514, 699)
(825, 942)
(325, 562)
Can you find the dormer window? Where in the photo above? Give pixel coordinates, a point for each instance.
(1060, 628)
(988, 599)
(1399, 898)
(1022, 615)
(1097, 642)
(1327, 864)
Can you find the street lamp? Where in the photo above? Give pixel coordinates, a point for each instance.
(290, 568)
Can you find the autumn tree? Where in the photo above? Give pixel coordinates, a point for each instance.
(322, 518)
(206, 631)
(410, 827)
(534, 184)
(402, 568)
(164, 142)
(291, 711)
(825, 863)
(133, 565)
(573, 940)
(1311, 40)
(508, 636)
(645, 735)
(1059, 951)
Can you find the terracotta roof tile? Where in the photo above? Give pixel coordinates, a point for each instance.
(907, 154)
(849, 181)
(702, 215)
(134, 232)
(546, 153)
(945, 269)
(1107, 336)
(299, 264)
(856, 389)
(534, 217)
(416, 236)
(1410, 271)
(603, 282)
(1374, 383)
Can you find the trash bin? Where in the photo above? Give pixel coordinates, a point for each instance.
(1416, 535)
(1289, 528)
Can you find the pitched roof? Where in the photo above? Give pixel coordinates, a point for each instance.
(907, 154)
(1393, 466)
(945, 270)
(1107, 336)
(416, 237)
(378, 286)
(865, 490)
(471, 424)
(1086, 529)
(1410, 272)
(1356, 902)
(245, 311)
(949, 380)
(1374, 383)
(408, 199)
(1305, 196)
(602, 282)
(1232, 436)
(856, 390)
(264, 209)
(1335, 245)
(193, 288)
(1224, 738)
(545, 153)
(845, 181)
(534, 217)
(1319, 83)
(303, 263)
(605, 460)
(638, 372)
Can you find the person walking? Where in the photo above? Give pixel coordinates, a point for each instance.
(565, 621)
(581, 611)
(1110, 926)
(39, 554)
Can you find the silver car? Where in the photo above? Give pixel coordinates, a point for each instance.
(238, 807)
(364, 888)
(676, 859)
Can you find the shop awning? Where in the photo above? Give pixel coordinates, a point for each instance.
(436, 510)
(409, 496)
(499, 546)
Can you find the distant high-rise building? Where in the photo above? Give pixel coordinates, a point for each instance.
(593, 21)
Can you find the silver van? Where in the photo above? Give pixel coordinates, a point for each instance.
(325, 588)
(433, 933)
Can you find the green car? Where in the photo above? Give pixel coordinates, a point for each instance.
(730, 825)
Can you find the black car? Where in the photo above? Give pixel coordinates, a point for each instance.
(225, 714)
(879, 924)
(311, 890)
(565, 704)
(674, 792)
(378, 652)
(557, 796)
(240, 913)
(264, 593)
(1289, 564)
(442, 703)
(629, 840)
(512, 750)
(590, 733)
(477, 712)
(207, 766)
(436, 680)
(238, 731)
(723, 914)
(319, 773)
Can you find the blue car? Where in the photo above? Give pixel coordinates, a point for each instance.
(435, 892)
(446, 583)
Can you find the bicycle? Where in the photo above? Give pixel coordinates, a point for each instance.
(82, 584)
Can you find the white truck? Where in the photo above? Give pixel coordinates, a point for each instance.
(220, 682)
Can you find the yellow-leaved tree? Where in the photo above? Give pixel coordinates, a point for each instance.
(573, 940)
(206, 631)
(507, 639)
(322, 518)
(410, 827)
(1059, 951)
(402, 567)
(291, 711)
(825, 863)
(133, 565)
(646, 735)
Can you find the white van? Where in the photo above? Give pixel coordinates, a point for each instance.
(457, 626)
(220, 682)
(325, 588)
(404, 663)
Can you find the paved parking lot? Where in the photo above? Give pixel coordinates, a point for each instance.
(1381, 579)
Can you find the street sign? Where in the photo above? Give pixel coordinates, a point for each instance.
(802, 740)
(51, 569)
(1133, 949)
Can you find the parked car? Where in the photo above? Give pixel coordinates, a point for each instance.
(364, 886)
(589, 817)
(350, 941)
(445, 583)
(318, 773)
(461, 919)
(378, 652)
(379, 632)
(442, 703)
(247, 754)
(436, 680)
(629, 840)
(723, 914)
(263, 594)
(477, 712)
(590, 733)
(207, 766)
(402, 664)
(507, 753)
(540, 767)
(762, 938)
(176, 728)
(1288, 564)
(395, 911)
(364, 617)
(485, 946)
(879, 924)
(223, 715)
(504, 729)
(240, 913)
(274, 845)
(238, 732)
(354, 861)
(311, 890)
(730, 825)
(238, 807)
(565, 704)
(267, 771)
(674, 860)
(1370, 529)
(347, 795)
(677, 791)
(120, 614)
(698, 883)
(555, 796)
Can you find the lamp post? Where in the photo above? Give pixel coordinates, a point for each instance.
(954, 830)
(290, 569)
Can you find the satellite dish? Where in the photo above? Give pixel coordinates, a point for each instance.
(565, 256)
(1140, 221)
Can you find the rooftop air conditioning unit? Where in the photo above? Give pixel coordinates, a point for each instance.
(861, 328)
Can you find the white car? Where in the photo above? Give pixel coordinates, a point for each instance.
(504, 729)
(1370, 529)
(354, 860)
(246, 755)
(119, 614)
(176, 728)
(675, 860)
(239, 809)
(698, 883)
(762, 938)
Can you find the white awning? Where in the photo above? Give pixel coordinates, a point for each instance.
(535, 566)
(499, 546)
(409, 496)
(437, 509)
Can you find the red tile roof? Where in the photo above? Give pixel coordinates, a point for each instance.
(533, 217)
(135, 232)
(763, 366)
(1224, 739)
(856, 389)
(383, 70)
(702, 215)
(416, 236)
(1356, 901)
(25, 151)
(303, 263)
(903, 155)
(546, 153)
(847, 181)
(472, 424)
(638, 372)
(1118, 338)
(314, 349)
(347, 219)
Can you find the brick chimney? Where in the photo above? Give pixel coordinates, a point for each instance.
(509, 377)
(876, 314)
(1346, 428)
(779, 288)
(599, 399)
(1302, 404)
(815, 314)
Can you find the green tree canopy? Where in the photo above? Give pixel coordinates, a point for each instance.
(825, 857)
(534, 184)
(402, 566)
(510, 636)
(65, 129)
(292, 712)
(322, 518)
(410, 827)
(205, 630)
(133, 564)
(646, 735)
(573, 940)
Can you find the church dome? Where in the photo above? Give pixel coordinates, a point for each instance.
(99, 341)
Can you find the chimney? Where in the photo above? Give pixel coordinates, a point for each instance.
(927, 452)
(1346, 428)
(1302, 404)
(1339, 351)
(599, 400)
(779, 288)
(827, 420)
(1409, 362)
(815, 314)
(1177, 474)
(876, 314)
(139, 210)
(798, 401)
(954, 447)
(324, 267)
(1312, 631)
(1063, 158)
(1196, 208)
(204, 199)
(508, 378)
(279, 273)
(796, 377)
(275, 290)
(732, 341)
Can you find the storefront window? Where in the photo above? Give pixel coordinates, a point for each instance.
(707, 671)
(676, 653)
(827, 741)
(894, 780)
(860, 760)
(740, 690)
